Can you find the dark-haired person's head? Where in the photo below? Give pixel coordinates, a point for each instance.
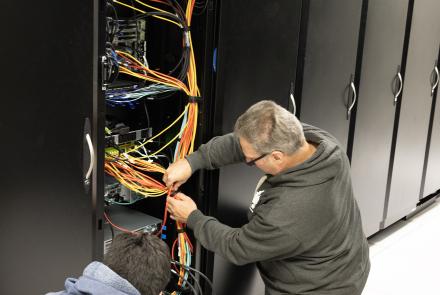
(143, 260)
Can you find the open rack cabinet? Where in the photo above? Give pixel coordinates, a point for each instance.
(90, 86)
(150, 55)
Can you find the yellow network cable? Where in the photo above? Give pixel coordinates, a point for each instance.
(160, 133)
(135, 180)
(167, 144)
(168, 20)
(160, 77)
(129, 6)
(141, 164)
(171, 141)
(140, 76)
(151, 7)
(142, 11)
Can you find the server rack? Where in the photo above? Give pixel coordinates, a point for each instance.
(431, 181)
(413, 119)
(53, 217)
(381, 82)
(276, 51)
(163, 46)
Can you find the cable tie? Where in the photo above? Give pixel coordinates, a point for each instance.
(194, 99)
(180, 230)
(186, 34)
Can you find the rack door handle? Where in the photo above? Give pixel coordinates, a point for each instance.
(396, 96)
(92, 158)
(354, 100)
(436, 82)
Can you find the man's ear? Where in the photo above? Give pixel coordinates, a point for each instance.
(277, 155)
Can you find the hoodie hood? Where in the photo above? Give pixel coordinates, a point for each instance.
(98, 279)
(321, 167)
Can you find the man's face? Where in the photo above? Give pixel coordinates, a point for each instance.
(263, 162)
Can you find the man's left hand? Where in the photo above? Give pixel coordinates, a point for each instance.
(180, 207)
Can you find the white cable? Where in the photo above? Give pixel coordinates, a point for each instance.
(293, 103)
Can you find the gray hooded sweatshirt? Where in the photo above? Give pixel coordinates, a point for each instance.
(304, 231)
(98, 279)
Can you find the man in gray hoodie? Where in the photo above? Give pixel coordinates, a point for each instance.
(134, 265)
(304, 230)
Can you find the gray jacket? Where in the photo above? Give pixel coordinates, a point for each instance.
(304, 233)
(98, 279)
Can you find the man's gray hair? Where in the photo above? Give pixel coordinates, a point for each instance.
(269, 127)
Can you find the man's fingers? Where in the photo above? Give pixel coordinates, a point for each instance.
(171, 201)
(168, 182)
(181, 197)
(165, 178)
(177, 174)
(170, 208)
(176, 185)
(178, 196)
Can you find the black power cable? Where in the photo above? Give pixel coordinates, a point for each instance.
(196, 282)
(197, 271)
(182, 289)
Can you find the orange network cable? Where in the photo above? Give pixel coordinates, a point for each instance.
(186, 146)
(123, 229)
(182, 241)
(129, 175)
(143, 72)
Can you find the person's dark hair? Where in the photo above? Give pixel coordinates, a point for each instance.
(143, 260)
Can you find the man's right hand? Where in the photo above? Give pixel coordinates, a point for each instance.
(177, 174)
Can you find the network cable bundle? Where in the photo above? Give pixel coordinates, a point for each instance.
(136, 155)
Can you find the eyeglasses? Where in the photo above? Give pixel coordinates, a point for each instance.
(252, 162)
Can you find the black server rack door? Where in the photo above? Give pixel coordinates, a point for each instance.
(329, 65)
(47, 90)
(415, 111)
(257, 52)
(432, 176)
(378, 91)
